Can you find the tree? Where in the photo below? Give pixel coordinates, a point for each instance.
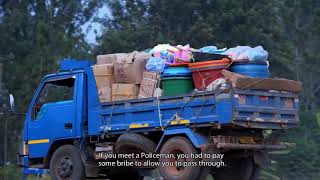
(288, 30)
(35, 35)
(298, 52)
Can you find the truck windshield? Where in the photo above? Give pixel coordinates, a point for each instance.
(53, 92)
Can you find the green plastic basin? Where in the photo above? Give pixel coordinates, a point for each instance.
(173, 86)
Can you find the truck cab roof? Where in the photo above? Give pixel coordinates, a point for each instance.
(70, 66)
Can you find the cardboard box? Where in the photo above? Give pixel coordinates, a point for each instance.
(104, 94)
(109, 58)
(104, 75)
(129, 69)
(245, 82)
(124, 91)
(148, 84)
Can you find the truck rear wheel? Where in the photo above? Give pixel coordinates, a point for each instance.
(179, 145)
(134, 143)
(66, 164)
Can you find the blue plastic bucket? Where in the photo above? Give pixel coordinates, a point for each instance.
(252, 69)
(176, 72)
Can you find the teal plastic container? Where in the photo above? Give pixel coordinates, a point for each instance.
(174, 86)
(176, 71)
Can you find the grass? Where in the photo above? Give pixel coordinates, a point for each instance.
(12, 172)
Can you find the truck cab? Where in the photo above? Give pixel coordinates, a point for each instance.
(53, 112)
(57, 115)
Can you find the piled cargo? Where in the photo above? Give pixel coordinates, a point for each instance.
(176, 70)
(252, 69)
(279, 84)
(204, 73)
(124, 91)
(129, 68)
(119, 75)
(108, 58)
(176, 81)
(105, 94)
(104, 79)
(148, 85)
(104, 75)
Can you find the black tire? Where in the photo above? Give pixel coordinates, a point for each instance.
(131, 143)
(256, 172)
(204, 173)
(237, 168)
(177, 145)
(66, 164)
(121, 173)
(134, 143)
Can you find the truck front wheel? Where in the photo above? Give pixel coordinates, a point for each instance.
(179, 145)
(66, 164)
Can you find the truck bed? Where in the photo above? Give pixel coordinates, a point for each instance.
(243, 108)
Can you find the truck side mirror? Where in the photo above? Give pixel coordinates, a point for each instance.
(11, 103)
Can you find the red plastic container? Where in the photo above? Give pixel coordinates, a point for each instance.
(204, 73)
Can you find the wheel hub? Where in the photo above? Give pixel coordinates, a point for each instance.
(176, 170)
(65, 167)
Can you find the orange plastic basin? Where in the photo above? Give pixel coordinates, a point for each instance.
(204, 64)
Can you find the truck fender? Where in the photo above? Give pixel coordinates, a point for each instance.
(196, 138)
(53, 147)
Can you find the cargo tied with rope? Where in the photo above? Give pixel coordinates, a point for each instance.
(167, 70)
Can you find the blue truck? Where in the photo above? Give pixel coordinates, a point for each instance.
(66, 126)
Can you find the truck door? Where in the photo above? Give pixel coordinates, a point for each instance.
(52, 115)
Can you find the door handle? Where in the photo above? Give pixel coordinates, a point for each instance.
(68, 125)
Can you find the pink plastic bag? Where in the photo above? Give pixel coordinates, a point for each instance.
(182, 54)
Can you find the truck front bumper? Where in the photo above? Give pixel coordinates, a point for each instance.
(23, 161)
(34, 171)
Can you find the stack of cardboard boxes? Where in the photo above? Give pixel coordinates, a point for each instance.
(123, 76)
(104, 79)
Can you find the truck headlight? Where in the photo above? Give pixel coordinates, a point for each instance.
(25, 148)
